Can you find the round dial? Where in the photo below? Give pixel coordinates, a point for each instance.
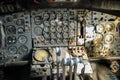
(37, 20)
(65, 35)
(52, 35)
(40, 55)
(38, 31)
(59, 28)
(52, 29)
(72, 25)
(65, 23)
(59, 15)
(9, 18)
(53, 23)
(99, 47)
(46, 23)
(100, 28)
(23, 49)
(53, 41)
(11, 39)
(11, 29)
(109, 38)
(12, 49)
(22, 39)
(59, 35)
(45, 16)
(65, 15)
(46, 35)
(65, 28)
(20, 30)
(20, 22)
(99, 37)
(46, 29)
(109, 26)
(52, 16)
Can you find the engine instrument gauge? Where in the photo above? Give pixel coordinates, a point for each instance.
(38, 31)
(22, 49)
(40, 54)
(11, 40)
(109, 26)
(12, 49)
(109, 38)
(22, 39)
(11, 29)
(20, 22)
(100, 28)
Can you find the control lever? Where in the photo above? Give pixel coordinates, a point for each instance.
(58, 53)
(2, 34)
(46, 61)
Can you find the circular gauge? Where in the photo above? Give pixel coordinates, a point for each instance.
(65, 35)
(59, 28)
(109, 38)
(22, 49)
(41, 54)
(37, 20)
(65, 23)
(100, 28)
(11, 29)
(11, 40)
(46, 23)
(20, 30)
(46, 29)
(20, 22)
(52, 29)
(65, 15)
(59, 15)
(9, 18)
(72, 25)
(22, 39)
(99, 47)
(52, 41)
(65, 41)
(52, 16)
(53, 23)
(59, 41)
(99, 37)
(109, 26)
(52, 35)
(38, 31)
(46, 35)
(45, 16)
(46, 42)
(12, 49)
(59, 35)
(65, 28)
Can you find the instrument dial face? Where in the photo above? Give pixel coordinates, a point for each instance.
(22, 39)
(100, 28)
(22, 49)
(40, 55)
(99, 37)
(38, 31)
(109, 26)
(20, 22)
(11, 40)
(11, 29)
(109, 38)
(12, 49)
(20, 30)
(37, 20)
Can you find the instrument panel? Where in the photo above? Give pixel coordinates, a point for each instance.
(40, 29)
